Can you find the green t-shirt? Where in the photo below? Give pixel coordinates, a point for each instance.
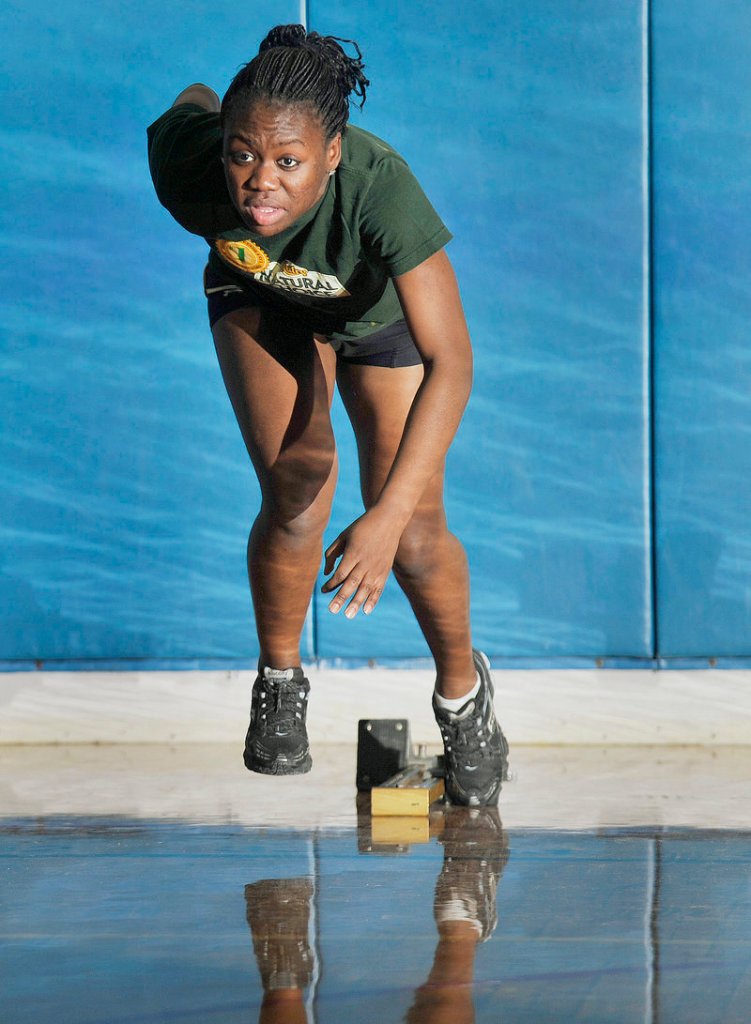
(333, 267)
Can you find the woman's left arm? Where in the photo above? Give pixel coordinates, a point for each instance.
(432, 307)
(429, 296)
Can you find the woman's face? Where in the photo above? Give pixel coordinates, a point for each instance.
(277, 164)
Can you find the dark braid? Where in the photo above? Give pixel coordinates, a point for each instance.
(295, 66)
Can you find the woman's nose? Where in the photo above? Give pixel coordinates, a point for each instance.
(263, 177)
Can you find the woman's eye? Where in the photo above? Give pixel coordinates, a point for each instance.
(241, 157)
(288, 162)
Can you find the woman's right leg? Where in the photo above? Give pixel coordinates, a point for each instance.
(280, 382)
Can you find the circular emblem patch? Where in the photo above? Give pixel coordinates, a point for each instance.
(244, 255)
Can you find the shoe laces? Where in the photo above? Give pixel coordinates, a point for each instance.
(466, 736)
(281, 703)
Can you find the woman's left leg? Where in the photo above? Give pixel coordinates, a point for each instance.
(431, 568)
(430, 564)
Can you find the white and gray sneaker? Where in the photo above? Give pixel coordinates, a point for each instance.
(475, 749)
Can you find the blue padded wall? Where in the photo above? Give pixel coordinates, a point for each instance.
(127, 491)
(702, 269)
(525, 124)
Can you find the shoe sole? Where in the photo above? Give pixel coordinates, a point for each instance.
(475, 800)
(279, 767)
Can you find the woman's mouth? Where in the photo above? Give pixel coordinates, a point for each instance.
(265, 215)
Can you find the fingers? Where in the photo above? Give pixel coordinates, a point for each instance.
(358, 592)
(332, 552)
(365, 553)
(374, 596)
(350, 583)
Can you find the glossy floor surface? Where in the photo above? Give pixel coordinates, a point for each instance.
(155, 885)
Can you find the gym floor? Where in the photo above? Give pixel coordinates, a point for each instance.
(154, 884)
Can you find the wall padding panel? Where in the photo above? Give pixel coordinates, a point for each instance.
(525, 123)
(127, 493)
(702, 270)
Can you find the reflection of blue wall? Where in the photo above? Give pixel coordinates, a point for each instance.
(127, 494)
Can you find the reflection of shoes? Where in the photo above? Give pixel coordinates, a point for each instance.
(278, 912)
(277, 741)
(476, 751)
(475, 851)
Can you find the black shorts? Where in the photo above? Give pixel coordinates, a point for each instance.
(391, 346)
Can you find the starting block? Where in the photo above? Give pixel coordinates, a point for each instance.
(400, 782)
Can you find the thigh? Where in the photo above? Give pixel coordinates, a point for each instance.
(378, 400)
(280, 380)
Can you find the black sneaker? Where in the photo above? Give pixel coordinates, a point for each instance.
(277, 741)
(476, 751)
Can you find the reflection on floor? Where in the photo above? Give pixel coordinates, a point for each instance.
(111, 915)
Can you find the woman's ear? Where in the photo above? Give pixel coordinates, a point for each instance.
(334, 153)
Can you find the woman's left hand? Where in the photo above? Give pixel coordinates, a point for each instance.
(430, 300)
(367, 550)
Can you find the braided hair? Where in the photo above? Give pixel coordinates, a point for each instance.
(298, 67)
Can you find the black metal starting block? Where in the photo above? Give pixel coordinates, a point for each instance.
(401, 782)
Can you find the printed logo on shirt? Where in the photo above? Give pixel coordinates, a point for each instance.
(289, 268)
(286, 276)
(244, 255)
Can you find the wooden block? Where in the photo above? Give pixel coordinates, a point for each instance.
(409, 792)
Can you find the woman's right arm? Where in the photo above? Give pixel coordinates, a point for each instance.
(201, 95)
(185, 148)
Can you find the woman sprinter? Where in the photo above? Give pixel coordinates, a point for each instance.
(327, 266)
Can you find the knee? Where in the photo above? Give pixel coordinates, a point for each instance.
(299, 504)
(419, 549)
